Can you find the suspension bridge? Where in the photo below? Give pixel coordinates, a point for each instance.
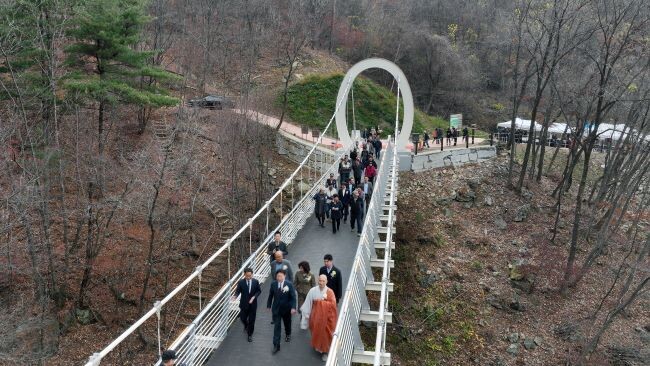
(214, 337)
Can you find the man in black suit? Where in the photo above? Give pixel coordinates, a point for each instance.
(277, 245)
(282, 303)
(334, 279)
(249, 289)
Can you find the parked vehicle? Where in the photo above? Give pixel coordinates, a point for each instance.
(212, 102)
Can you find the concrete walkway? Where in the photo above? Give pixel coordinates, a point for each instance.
(311, 244)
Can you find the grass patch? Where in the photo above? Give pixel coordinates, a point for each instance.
(311, 102)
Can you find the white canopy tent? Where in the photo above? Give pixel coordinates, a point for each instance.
(520, 124)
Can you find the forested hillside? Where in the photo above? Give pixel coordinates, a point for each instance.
(112, 190)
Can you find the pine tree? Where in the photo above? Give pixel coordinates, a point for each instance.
(105, 35)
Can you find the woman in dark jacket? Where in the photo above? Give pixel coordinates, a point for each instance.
(319, 206)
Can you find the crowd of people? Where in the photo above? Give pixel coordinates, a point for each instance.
(438, 135)
(348, 196)
(314, 297)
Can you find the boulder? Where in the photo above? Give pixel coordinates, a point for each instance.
(500, 223)
(516, 305)
(513, 349)
(513, 337)
(465, 195)
(488, 201)
(429, 280)
(526, 194)
(525, 285)
(473, 183)
(529, 344)
(84, 316)
(522, 213)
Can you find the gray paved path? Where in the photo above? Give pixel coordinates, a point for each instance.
(311, 244)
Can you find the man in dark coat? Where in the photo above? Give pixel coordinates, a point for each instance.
(275, 245)
(337, 213)
(331, 181)
(356, 212)
(357, 170)
(250, 290)
(377, 145)
(345, 195)
(319, 206)
(282, 303)
(334, 276)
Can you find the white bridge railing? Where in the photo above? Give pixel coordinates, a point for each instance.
(196, 342)
(211, 326)
(347, 346)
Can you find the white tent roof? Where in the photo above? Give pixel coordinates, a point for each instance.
(558, 128)
(520, 124)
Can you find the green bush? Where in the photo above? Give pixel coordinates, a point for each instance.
(311, 102)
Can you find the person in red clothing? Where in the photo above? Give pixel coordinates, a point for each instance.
(370, 172)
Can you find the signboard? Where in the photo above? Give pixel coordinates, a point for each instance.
(455, 120)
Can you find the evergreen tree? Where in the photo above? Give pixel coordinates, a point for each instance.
(105, 34)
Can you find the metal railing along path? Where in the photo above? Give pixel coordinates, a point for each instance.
(347, 345)
(197, 341)
(346, 342)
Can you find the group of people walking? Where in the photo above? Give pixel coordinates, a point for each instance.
(438, 134)
(315, 298)
(349, 195)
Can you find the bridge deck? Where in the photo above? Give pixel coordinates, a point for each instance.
(311, 244)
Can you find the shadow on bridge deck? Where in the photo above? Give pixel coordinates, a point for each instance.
(311, 244)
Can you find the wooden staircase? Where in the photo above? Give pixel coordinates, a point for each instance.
(215, 274)
(164, 133)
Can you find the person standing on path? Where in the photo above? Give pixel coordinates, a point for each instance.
(454, 134)
(303, 281)
(448, 136)
(370, 173)
(354, 154)
(345, 196)
(320, 316)
(356, 212)
(337, 213)
(281, 264)
(276, 245)
(357, 170)
(345, 166)
(377, 144)
(331, 181)
(250, 290)
(282, 304)
(364, 155)
(330, 192)
(333, 274)
(367, 192)
(319, 206)
(426, 140)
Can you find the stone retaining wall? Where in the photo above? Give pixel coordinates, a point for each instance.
(439, 159)
(296, 149)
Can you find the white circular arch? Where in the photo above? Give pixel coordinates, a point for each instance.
(405, 92)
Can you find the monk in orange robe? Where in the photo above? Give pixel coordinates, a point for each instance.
(319, 314)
